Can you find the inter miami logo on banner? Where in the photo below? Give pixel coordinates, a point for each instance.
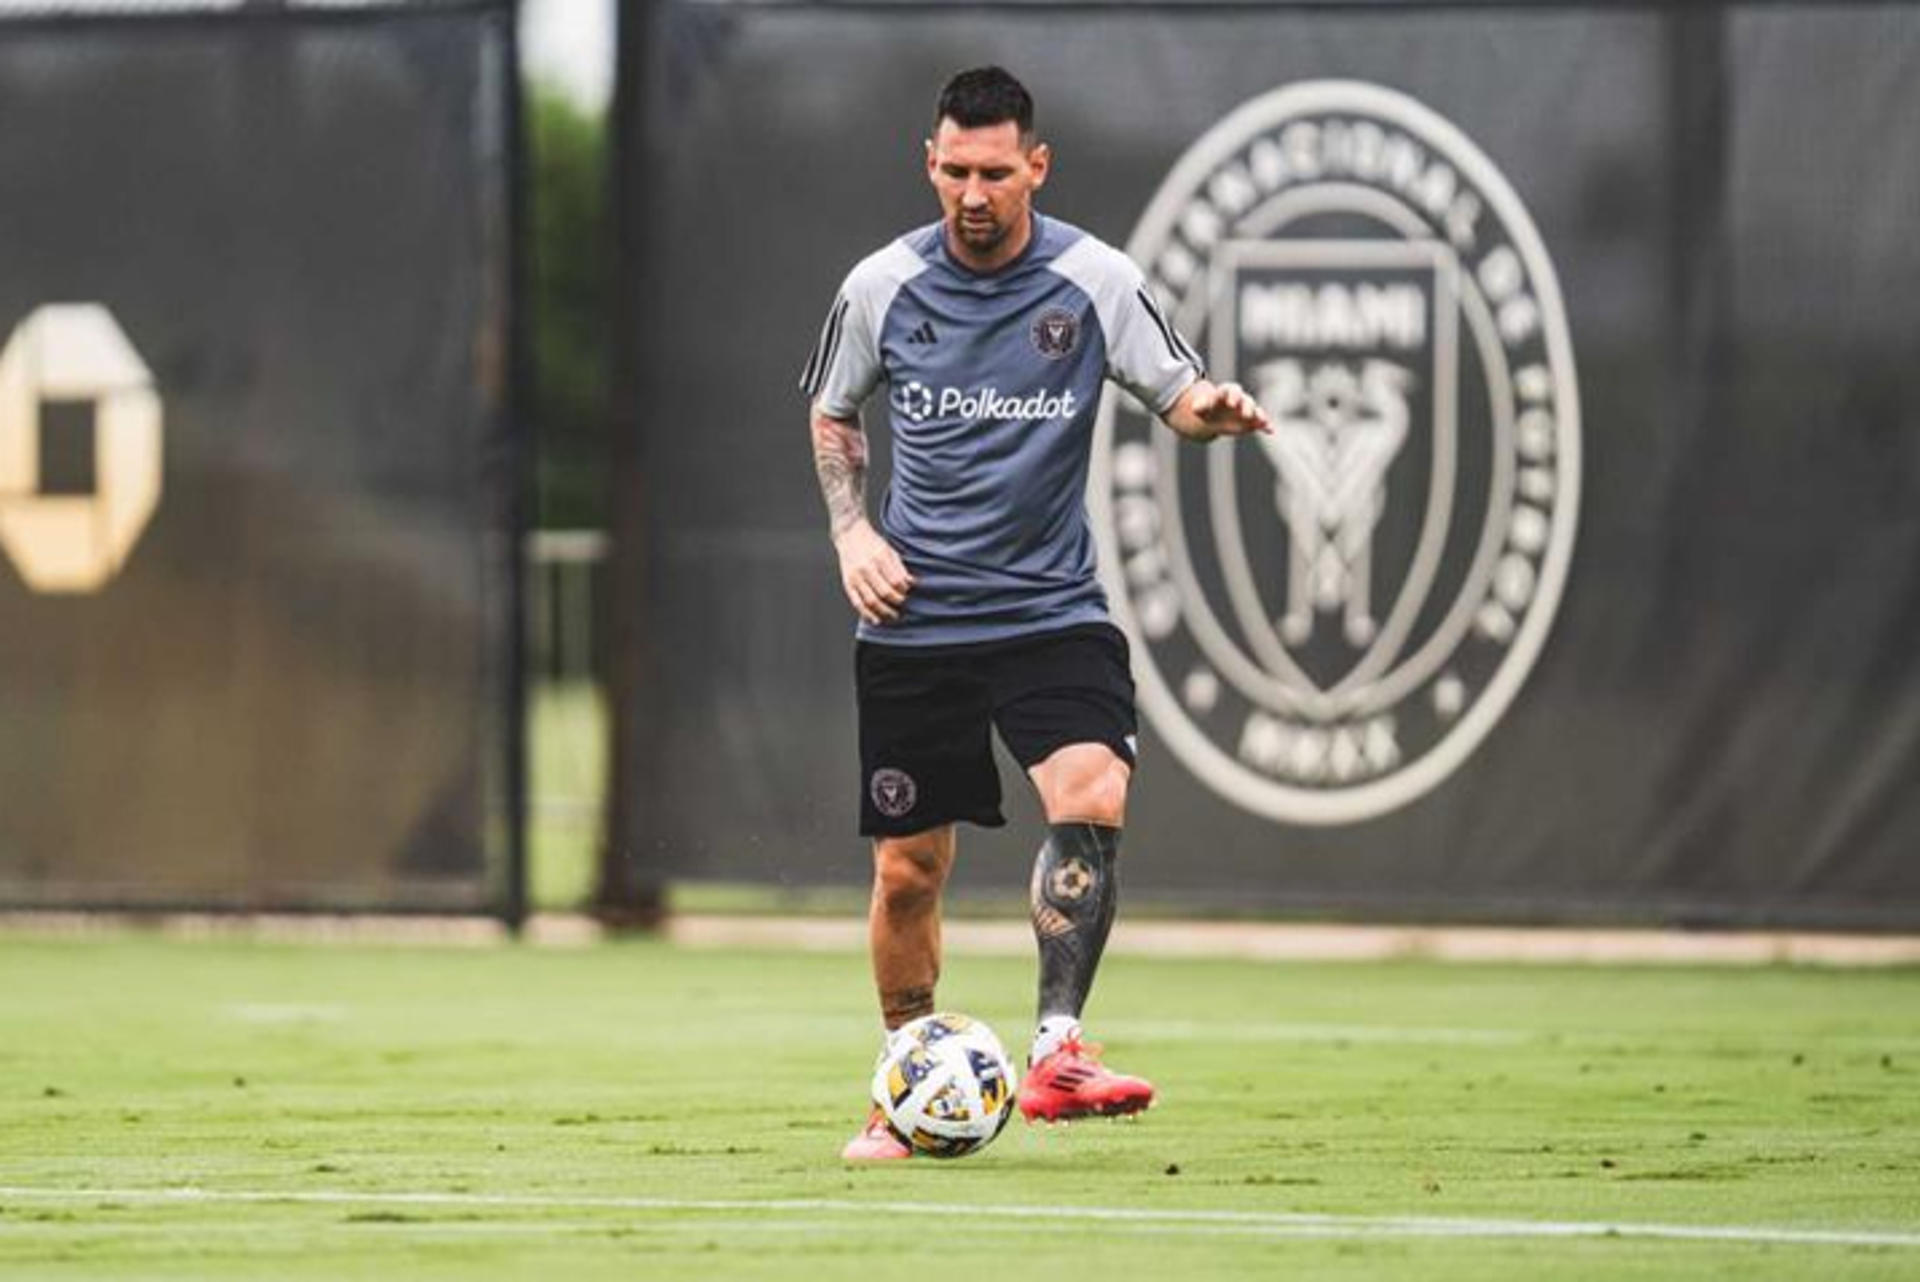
(1331, 618)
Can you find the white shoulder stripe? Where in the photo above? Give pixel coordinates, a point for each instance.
(1146, 354)
(876, 280)
(1103, 273)
(894, 264)
(846, 362)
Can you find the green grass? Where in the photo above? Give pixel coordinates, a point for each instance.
(567, 734)
(1771, 1098)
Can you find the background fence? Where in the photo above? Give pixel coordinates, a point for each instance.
(1683, 525)
(1618, 628)
(258, 496)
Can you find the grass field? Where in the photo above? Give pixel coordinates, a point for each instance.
(637, 1111)
(567, 731)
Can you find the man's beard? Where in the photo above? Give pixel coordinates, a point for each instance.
(980, 236)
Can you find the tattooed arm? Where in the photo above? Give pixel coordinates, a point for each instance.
(871, 572)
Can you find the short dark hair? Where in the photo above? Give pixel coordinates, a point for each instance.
(983, 96)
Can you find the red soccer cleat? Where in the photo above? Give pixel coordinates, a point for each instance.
(1072, 1082)
(876, 1142)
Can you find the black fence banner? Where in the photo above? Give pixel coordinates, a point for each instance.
(1580, 578)
(256, 469)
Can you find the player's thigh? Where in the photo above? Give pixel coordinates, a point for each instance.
(1066, 688)
(1083, 782)
(926, 747)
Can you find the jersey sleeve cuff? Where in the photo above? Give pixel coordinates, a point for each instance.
(1175, 390)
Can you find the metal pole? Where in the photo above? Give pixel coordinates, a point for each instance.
(631, 891)
(519, 450)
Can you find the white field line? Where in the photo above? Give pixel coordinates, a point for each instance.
(1196, 1222)
(286, 1012)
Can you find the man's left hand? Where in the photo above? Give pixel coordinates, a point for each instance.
(1206, 410)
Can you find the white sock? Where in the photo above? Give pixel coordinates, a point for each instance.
(1054, 1032)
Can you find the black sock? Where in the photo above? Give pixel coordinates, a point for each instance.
(1073, 894)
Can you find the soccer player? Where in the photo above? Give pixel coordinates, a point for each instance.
(992, 330)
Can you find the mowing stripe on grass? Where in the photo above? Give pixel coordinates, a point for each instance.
(1200, 1222)
(1193, 1030)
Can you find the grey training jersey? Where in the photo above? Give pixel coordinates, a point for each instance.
(993, 382)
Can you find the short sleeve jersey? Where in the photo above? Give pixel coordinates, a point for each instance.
(993, 381)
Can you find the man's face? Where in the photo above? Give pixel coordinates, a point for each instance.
(985, 178)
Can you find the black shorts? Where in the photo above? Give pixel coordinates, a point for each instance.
(926, 713)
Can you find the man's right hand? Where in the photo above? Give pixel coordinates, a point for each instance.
(875, 579)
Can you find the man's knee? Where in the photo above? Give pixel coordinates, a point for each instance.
(909, 872)
(1084, 783)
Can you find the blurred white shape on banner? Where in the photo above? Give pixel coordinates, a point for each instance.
(76, 352)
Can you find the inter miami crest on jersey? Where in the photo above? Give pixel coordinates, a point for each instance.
(1054, 332)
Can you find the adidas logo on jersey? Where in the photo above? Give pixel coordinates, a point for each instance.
(924, 335)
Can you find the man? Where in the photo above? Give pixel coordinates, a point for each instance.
(979, 607)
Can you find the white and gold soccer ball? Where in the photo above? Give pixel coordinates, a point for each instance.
(945, 1085)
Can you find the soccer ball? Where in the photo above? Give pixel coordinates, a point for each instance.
(944, 1084)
